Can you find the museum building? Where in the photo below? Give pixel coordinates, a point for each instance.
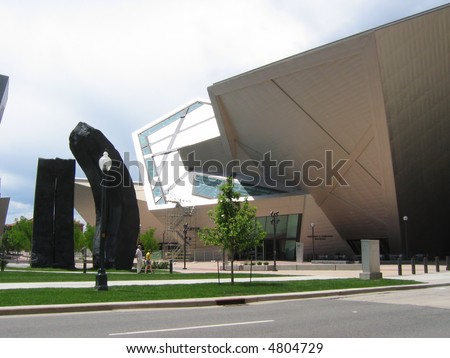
(348, 141)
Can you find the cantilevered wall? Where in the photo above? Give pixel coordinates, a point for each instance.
(375, 106)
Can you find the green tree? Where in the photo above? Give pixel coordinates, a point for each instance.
(79, 240)
(148, 240)
(236, 228)
(89, 235)
(20, 234)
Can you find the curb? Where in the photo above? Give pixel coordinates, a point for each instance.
(200, 302)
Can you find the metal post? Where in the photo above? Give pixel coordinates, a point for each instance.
(218, 272)
(84, 259)
(274, 221)
(425, 264)
(405, 220)
(313, 240)
(447, 263)
(224, 265)
(101, 283)
(2, 260)
(413, 265)
(185, 230)
(171, 265)
(399, 264)
(101, 280)
(437, 263)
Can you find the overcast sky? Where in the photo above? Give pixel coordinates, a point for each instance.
(119, 64)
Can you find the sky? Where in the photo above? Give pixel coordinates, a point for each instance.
(119, 64)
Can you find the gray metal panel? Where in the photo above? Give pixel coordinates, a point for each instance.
(4, 204)
(324, 106)
(204, 153)
(338, 98)
(415, 66)
(3, 94)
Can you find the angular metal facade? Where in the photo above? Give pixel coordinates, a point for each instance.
(372, 109)
(4, 81)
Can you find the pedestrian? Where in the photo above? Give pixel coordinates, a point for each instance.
(148, 261)
(138, 256)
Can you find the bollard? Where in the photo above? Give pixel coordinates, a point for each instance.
(399, 263)
(2, 261)
(425, 264)
(437, 263)
(84, 251)
(171, 266)
(413, 265)
(447, 261)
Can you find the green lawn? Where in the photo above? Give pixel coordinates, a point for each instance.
(19, 297)
(51, 275)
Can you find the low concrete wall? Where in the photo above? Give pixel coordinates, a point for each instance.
(303, 267)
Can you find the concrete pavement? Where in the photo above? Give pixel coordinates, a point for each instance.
(303, 272)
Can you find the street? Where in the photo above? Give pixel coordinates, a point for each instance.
(396, 314)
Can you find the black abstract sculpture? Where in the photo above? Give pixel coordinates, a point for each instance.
(53, 214)
(87, 145)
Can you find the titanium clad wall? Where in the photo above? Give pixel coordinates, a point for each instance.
(415, 66)
(3, 94)
(322, 101)
(379, 100)
(4, 204)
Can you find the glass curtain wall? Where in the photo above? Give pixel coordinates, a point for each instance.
(287, 235)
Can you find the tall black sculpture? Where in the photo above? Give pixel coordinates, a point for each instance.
(87, 145)
(53, 214)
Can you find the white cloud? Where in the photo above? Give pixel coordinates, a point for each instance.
(11, 182)
(18, 209)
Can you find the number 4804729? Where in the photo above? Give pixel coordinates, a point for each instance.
(296, 347)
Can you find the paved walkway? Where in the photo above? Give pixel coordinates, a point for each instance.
(306, 272)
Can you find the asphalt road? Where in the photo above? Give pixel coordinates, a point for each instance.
(398, 314)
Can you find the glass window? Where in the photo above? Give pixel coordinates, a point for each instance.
(287, 227)
(292, 226)
(282, 225)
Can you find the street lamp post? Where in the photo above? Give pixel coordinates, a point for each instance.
(185, 230)
(274, 221)
(405, 220)
(313, 239)
(101, 280)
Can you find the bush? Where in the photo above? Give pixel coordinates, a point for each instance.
(161, 265)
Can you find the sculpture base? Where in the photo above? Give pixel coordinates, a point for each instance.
(101, 281)
(371, 276)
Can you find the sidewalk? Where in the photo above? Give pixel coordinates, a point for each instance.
(431, 279)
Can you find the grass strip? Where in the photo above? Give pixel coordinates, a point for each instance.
(16, 276)
(41, 296)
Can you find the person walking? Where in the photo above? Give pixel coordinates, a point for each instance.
(138, 256)
(148, 261)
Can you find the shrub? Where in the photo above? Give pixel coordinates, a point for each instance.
(161, 265)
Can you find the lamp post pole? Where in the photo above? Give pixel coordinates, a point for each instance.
(185, 230)
(101, 279)
(313, 239)
(274, 221)
(405, 220)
